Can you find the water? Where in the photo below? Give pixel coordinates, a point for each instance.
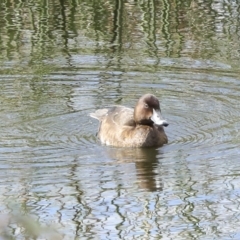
(61, 61)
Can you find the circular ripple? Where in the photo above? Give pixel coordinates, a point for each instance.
(203, 114)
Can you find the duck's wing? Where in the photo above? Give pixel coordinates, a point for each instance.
(115, 122)
(121, 116)
(116, 115)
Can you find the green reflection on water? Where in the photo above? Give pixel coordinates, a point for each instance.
(33, 31)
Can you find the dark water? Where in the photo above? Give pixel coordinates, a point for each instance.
(62, 60)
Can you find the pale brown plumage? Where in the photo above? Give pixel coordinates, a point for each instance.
(126, 127)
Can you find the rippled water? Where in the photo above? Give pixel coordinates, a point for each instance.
(52, 165)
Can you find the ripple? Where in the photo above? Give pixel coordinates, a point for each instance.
(206, 114)
(68, 131)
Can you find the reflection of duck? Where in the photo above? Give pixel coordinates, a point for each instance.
(148, 174)
(146, 163)
(126, 127)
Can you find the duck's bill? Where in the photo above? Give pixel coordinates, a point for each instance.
(158, 119)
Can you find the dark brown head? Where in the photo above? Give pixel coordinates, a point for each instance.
(147, 111)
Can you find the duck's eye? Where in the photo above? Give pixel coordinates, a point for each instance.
(146, 105)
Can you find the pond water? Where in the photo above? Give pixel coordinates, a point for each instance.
(62, 60)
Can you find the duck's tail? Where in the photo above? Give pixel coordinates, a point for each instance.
(99, 114)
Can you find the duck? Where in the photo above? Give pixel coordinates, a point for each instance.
(142, 126)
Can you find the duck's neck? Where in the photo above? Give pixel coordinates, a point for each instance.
(146, 122)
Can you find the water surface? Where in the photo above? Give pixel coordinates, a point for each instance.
(60, 61)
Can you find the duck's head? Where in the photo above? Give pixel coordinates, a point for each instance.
(147, 111)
